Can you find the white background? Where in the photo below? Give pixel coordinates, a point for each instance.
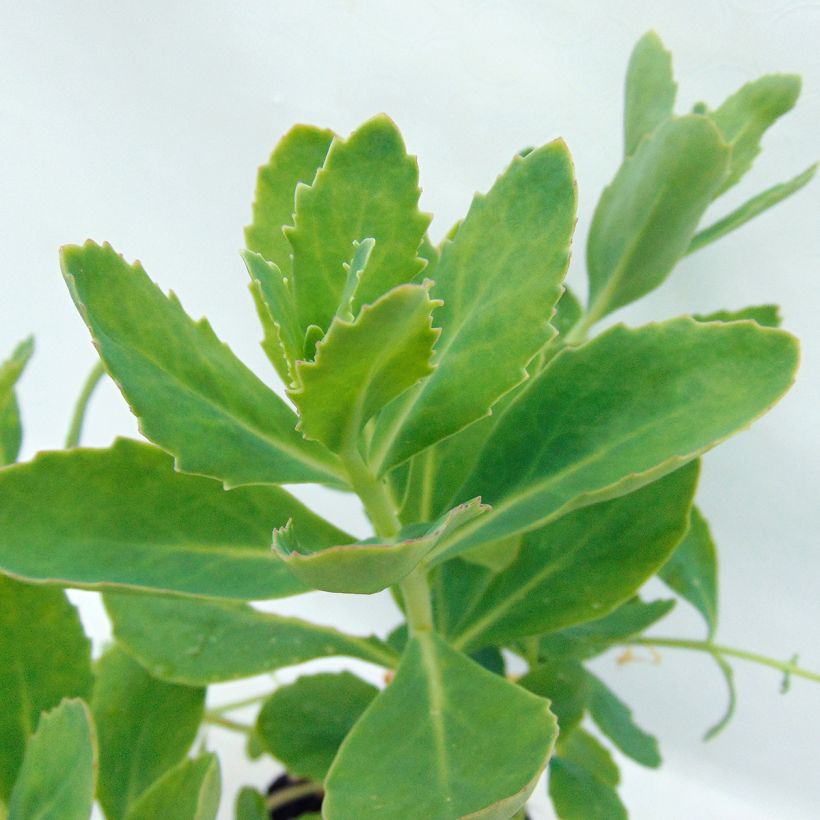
(142, 123)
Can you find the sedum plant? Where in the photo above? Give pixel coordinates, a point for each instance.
(524, 477)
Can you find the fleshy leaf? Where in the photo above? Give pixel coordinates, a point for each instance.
(144, 727)
(445, 739)
(250, 805)
(45, 657)
(764, 315)
(201, 642)
(612, 415)
(567, 688)
(189, 791)
(495, 555)
(577, 794)
(362, 365)
(692, 570)
(303, 725)
(123, 517)
(647, 216)
(368, 566)
(499, 278)
(368, 187)
(582, 748)
(190, 393)
(749, 210)
(650, 90)
(10, 430)
(615, 547)
(58, 774)
(354, 270)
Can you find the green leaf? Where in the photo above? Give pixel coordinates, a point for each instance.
(271, 342)
(646, 217)
(354, 270)
(189, 791)
(764, 315)
(59, 769)
(495, 555)
(568, 311)
(582, 748)
(650, 90)
(368, 566)
(296, 159)
(692, 570)
(457, 588)
(445, 739)
(368, 187)
(750, 209)
(10, 430)
(614, 719)
(577, 794)
(144, 727)
(201, 642)
(250, 805)
(303, 725)
(612, 415)
(747, 114)
(192, 396)
(567, 688)
(123, 517)
(362, 365)
(500, 278)
(615, 547)
(45, 657)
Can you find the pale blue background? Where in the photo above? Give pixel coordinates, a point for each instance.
(142, 123)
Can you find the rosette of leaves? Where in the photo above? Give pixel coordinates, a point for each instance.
(523, 481)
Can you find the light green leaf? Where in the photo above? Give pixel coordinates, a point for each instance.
(250, 805)
(567, 312)
(122, 517)
(650, 90)
(59, 770)
(692, 570)
(303, 725)
(495, 555)
(614, 719)
(747, 114)
(144, 727)
(612, 415)
(445, 739)
(500, 278)
(362, 365)
(368, 187)
(45, 657)
(577, 794)
(567, 688)
(201, 642)
(189, 791)
(354, 270)
(764, 315)
(296, 159)
(646, 217)
(584, 565)
(10, 431)
(192, 396)
(582, 748)
(368, 566)
(271, 342)
(750, 209)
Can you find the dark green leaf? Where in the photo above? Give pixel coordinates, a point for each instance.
(582, 748)
(577, 794)
(566, 686)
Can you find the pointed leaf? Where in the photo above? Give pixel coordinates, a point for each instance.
(144, 728)
(367, 187)
(764, 315)
(45, 657)
(201, 642)
(123, 517)
(750, 209)
(59, 769)
(692, 570)
(192, 396)
(362, 365)
(612, 415)
(354, 270)
(445, 739)
(189, 791)
(615, 547)
(303, 725)
(646, 217)
(650, 90)
(577, 794)
(500, 278)
(10, 430)
(368, 566)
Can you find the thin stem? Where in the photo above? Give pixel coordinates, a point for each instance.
(290, 793)
(226, 723)
(238, 704)
(76, 428)
(786, 667)
(530, 645)
(417, 604)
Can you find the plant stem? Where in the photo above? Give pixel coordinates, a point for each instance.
(530, 645)
(785, 667)
(416, 594)
(238, 704)
(284, 796)
(226, 723)
(76, 428)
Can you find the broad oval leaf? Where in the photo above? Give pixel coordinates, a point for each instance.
(59, 771)
(191, 394)
(250, 805)
(446, 739)
(123, 517)
(201, 642)
(619, 412)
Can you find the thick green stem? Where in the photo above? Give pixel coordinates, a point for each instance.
(417, 605)
(76, 428)
(290, 793)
